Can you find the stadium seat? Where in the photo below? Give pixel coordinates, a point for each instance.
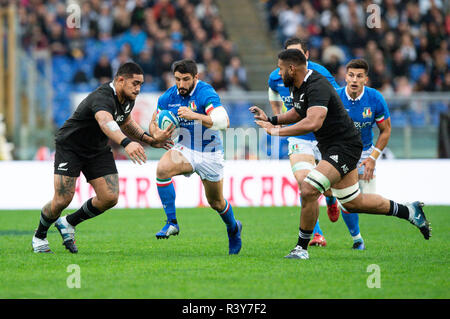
(398, 119)
(416, 71)
(416, 119)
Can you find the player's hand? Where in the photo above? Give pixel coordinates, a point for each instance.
(258, 113)
(163, 135)
(369, 168)
(187, 113)
(136, 153)
(268, 127)
(167, 145)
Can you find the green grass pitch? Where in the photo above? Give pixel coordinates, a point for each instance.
(119, 257)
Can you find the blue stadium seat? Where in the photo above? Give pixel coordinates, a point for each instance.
(61, 111)
(398, 119)
(347, 52)
(416, 119)
(315, 41)
(416, 71)
(150, 87)
(62, 69)
(240, 115)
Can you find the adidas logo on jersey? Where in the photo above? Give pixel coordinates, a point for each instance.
(334, 158)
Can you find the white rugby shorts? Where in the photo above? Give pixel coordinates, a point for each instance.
(301, 146)
(208, 165)
(365, 154)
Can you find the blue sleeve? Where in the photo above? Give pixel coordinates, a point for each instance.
(272, 83)
(162, 102)
(324, 71)
(210, 100)
(382, 110)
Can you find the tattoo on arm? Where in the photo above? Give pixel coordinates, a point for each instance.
(133, 130)
(112, 182)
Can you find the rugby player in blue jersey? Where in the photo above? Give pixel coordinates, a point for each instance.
(199, 148)
(366, 107)
(303, 150)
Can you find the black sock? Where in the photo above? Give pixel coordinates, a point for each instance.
(44, 225)
(86, 211)
(398, 210)
(304, 236)
(173, 221)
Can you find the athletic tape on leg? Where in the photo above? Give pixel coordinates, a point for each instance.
(302, 166)
(347, 194)
(318, 180)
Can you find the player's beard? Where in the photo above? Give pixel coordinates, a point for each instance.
(288, 81)
(188, 91)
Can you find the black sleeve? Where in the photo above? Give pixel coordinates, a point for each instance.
(318, 93)
(101, 102)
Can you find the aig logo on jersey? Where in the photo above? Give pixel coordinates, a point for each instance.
(367, 112)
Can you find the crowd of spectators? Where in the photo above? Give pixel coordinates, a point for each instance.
(405, 41)
(153, 33)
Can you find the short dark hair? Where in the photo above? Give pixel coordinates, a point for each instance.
(358, 64)
(292, 56)
(185, 66)
(128, 69)
(294, 41)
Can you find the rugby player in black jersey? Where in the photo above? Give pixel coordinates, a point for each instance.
(318, 108)
(81, 146)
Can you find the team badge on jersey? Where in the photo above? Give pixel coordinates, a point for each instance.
(367, 112)
(192, 106)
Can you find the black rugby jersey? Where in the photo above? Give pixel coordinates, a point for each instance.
(337, 127)
(81, 132)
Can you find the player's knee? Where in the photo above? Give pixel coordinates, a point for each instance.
(217, 204)
(163, 171)
(61, 202)
(108, 201)
(308, 193)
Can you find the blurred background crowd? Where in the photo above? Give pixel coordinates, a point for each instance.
(153, 33)
(405, 42)
(407, 51)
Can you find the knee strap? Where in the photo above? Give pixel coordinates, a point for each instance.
(318, 180)
(347, 194)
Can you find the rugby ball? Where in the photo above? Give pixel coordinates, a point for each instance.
(164, 118)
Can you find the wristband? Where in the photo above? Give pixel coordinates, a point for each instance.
(373, 157)
(273, 120)
(125, 142)
(377, 149)
(142, 136)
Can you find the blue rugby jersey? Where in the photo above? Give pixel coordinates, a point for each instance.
(203, 99)
(366, 110)
(277, 85)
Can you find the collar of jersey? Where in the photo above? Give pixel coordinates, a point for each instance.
(307, 75)
(193, 90)
(358, 98)
(112, 87)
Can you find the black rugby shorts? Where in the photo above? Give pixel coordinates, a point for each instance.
(343, 156)
(71, 163)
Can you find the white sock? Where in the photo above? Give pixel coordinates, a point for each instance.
(357, 237)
